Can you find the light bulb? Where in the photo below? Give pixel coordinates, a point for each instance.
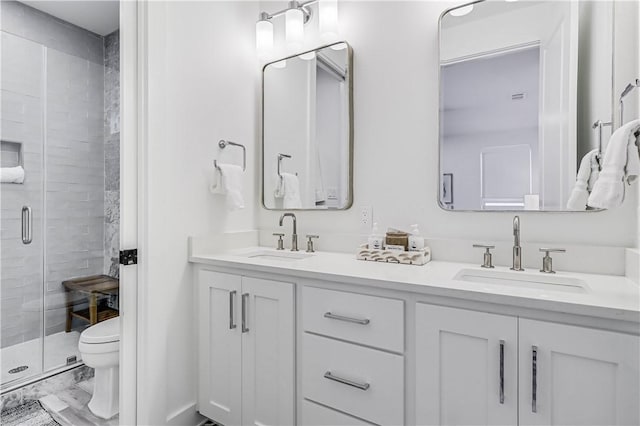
(461, 11)
(308, 56)
(338, 46)
(264, 39)
(294, 28)
(328, 20)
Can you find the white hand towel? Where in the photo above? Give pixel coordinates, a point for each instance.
(587, 175)
(12, 174)
(288, 188)
(232, 185)
(620, 164)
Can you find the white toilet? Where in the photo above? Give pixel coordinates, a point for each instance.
(100, 349)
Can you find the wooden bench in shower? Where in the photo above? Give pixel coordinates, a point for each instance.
(95, 288)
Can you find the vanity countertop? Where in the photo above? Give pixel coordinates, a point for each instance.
(607, 296)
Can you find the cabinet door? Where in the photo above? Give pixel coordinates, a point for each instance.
(466, 366)
(219, 346)
(577, 376)
(267, 353)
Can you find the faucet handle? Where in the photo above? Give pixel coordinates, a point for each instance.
(488, 262)
(547, 261)
(310, 238)
(280, 240)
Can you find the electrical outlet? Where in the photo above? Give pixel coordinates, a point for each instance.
(366, 219)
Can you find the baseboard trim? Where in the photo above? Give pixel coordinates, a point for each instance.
(187, 415)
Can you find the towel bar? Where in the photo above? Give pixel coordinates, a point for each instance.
(223, 144)
(280, 157)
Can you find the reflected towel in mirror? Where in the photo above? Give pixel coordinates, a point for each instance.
(232, 185)
(12, 174)
(288, 189)
(587, 176)
(621, 164)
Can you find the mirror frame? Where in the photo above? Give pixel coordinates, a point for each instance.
(349, 203)
(439, 192)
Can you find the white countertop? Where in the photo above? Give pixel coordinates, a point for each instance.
(607, 296)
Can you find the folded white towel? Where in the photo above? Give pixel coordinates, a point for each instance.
(12, 174)
(232, 185)
(288, 188)
(587, 176)
(621, 164)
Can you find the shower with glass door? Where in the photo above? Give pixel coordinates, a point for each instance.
(59, 196)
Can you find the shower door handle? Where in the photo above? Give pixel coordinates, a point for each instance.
(27, 223)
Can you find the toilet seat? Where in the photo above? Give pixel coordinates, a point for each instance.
(103, 332)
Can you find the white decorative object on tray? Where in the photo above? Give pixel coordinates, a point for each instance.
(419, 257)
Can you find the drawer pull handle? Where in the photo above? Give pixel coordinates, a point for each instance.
(361, 386)
(245, 299)
(534, 379)
(501, 371)
(347, 319)
(232, 321)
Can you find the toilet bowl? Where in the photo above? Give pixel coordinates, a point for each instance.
(100, 349)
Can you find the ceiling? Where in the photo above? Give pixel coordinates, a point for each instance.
(98, 16)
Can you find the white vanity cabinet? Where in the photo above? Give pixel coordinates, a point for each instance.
(466, 367)
(486, 369)
(579, 376)
(352, 358)
(246, 350)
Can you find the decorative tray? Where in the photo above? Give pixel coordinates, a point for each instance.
(419, 257)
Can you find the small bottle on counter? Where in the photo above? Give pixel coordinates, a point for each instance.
(416, 242)
(376, 241)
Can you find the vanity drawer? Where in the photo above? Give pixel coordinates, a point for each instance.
(318, 415)
(369, 320)
(364, 382)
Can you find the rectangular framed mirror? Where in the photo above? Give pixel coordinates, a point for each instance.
(307, 130)
(522, 85)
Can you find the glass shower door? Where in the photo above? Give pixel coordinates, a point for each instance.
(21, 208)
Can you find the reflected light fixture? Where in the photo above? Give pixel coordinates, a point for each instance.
(461, 11)
(308, 56)
(295, 16)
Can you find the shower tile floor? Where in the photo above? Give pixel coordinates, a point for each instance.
(57, 347)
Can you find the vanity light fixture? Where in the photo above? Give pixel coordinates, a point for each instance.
(296, 15)
(264, 36)
(294, 27)
(461, 11)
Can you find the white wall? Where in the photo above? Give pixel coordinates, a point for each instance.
(202, 68)
(396, 134)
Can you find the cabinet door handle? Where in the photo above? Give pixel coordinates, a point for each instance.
(232, 314)
(361, 386)
(534, 379)
(245, 299)
(346, 319)
(501, 371)
(27, 225)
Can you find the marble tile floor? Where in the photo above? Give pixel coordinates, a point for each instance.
(69, 406)
(65, 396)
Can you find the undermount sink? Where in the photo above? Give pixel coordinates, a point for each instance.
(539, 281)
(278, 255)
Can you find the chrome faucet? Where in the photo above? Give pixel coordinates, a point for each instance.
(294, 237)
(517, 250)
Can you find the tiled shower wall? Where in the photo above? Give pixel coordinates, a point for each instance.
(112, 152)
(53, 101)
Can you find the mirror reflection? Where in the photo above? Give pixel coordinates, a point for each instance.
(521, 84)
(307, 130)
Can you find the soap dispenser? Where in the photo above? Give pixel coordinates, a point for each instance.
(416, 242)
(376, 241)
